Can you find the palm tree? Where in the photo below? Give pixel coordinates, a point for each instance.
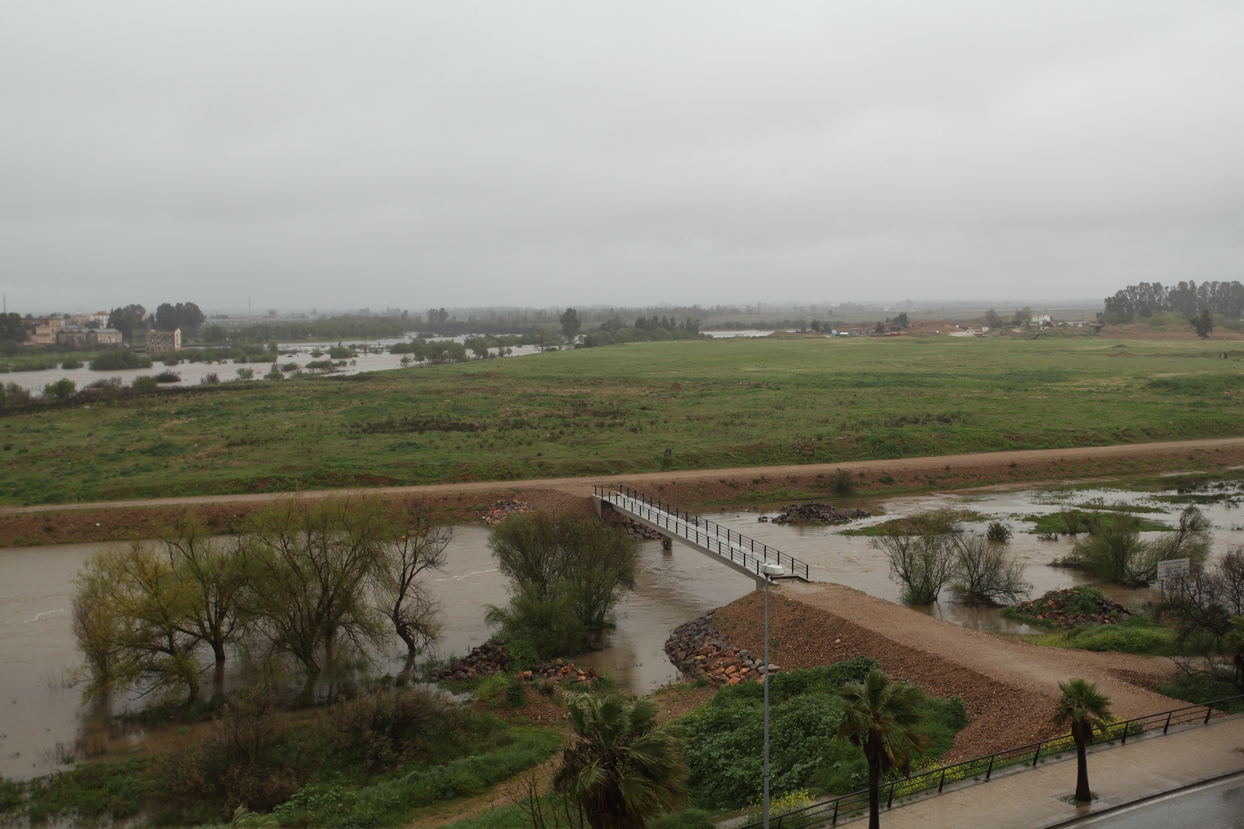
(1086, 709)
(881, 717)
(621, 766)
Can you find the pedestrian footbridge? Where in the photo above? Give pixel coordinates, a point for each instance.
(747, 555)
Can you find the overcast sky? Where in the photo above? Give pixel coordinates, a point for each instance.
(346, 155)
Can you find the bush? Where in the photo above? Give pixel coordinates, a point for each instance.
(120, 359)
(841, 483)
(210, 379)
(62, 389)
(12, 395)
(144, 383)
(383, 729)
(106, 387)
(167, 377)
(1199, 688)
(71, 364)
(246, 374)
(998, 532)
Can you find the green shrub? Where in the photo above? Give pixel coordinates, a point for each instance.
(841, 483)
(998, 532)
(62, 389)
(71, 364)
(119, 359)
(144, 383)
(12, 395)
(689, 819)
(1198, 688)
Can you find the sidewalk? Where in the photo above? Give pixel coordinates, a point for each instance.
(1030, 799)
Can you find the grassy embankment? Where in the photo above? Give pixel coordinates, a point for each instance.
(723, 403)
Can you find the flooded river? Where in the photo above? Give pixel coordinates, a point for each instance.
(40, 708)
(369, 358)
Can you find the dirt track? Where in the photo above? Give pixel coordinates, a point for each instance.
(461, 502)
(1010, 687)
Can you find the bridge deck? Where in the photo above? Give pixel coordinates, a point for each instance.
(744, 554)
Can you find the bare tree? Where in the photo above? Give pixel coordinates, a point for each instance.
(923, 563)
(403, 596)
(986, 573)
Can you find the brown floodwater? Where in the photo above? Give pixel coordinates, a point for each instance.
(39, 704)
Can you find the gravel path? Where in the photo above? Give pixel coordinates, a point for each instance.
(1010, 687)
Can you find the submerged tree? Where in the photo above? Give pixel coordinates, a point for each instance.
(314, 564)
(986, 573)
(403, 596)
(921, 555)
(132, 618)
(1085, 709)
(567, 575)
(622, 767)
(881, 717)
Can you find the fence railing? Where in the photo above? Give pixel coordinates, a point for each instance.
(827, 813)
(723, 541)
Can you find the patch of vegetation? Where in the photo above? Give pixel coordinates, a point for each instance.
(607, 410)
(1138, 635)
(1199, 688)
(916, 523)
(119, 359)
(1076, 521)
(805, 711)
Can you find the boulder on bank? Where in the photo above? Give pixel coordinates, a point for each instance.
(498, 511)
(490, 658)
(1071, 607)
(700, 649)
(814, 512)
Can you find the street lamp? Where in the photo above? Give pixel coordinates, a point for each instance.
(770, 572)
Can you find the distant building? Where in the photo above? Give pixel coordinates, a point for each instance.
(102, 337)
(73, 336)
(162, 342)
(43, 331)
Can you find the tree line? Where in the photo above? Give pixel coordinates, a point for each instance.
(1187, 299)
(319, 585)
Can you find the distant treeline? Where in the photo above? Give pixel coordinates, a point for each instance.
(325, 328)
(1186, 299)
(797, 324)
(529, 320)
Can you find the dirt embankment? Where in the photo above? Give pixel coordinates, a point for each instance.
(1010, 687)
(692, 489)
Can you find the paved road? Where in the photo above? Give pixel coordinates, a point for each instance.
(1217, 805)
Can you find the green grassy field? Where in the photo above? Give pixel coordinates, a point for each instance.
(714, 403)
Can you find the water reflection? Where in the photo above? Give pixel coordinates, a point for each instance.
(37, 651)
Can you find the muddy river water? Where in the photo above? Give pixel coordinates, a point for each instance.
(40, 708)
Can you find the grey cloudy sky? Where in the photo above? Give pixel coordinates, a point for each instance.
(342, 155)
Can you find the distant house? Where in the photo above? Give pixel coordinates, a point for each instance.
(162, 342)
(73, 336)
(102, 337)
(43, 331)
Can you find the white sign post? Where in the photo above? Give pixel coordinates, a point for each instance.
(1171, 569)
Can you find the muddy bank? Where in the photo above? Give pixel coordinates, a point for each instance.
(690, 489)
(1010, 687)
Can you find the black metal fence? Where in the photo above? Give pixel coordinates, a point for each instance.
(828, 813)
(723, 541)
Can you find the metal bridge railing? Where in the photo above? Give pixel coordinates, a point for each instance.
(723, 541)
(828, 812)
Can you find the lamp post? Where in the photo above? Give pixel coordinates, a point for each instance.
(770, 571)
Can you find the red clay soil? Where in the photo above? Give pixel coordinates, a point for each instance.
(1010, 687)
